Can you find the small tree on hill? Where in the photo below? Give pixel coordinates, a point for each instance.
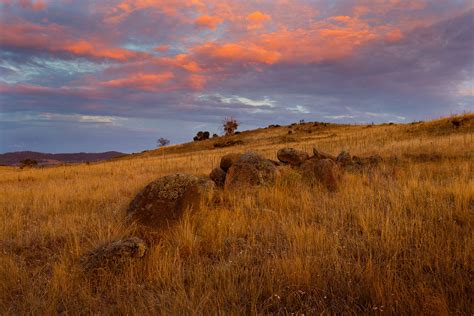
(230, 125)
(161, 142)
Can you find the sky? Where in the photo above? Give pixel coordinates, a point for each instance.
(117, 75)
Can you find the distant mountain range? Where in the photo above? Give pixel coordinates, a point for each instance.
(14, 158)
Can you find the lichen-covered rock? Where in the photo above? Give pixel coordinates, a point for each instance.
(114, 255)
(218, 176)
(318, 154)
(164, 201)
(344, 159)
(228, 160)
(292, 156)
(325, 171)
(251, 170)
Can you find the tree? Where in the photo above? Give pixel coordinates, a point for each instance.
(230, 125)
(201, 136)
(161, 142)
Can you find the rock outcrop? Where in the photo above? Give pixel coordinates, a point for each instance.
(250, 170)
(164, 201)
(218, 176)
(318, 154)
(228, 160)
(292, 156)
(325, 171)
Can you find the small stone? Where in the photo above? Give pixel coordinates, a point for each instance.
(114, 255)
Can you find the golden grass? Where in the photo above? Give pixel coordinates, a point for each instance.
(398, 239)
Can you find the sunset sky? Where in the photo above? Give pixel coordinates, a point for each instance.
(116, 75)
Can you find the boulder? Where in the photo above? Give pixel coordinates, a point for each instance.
(318, 154)
(251, 170)
(218, 176)
(292, 156)
(344, 159)
(114, 255)
(165, 200)
(325, 171)
(228, 160)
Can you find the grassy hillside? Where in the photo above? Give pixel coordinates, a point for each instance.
(398, 239)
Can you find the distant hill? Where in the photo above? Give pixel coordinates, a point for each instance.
(14, 158)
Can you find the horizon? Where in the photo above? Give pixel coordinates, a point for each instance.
(117, 75)
(239, 129)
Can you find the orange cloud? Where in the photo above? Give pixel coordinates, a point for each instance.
(85, 48)
(141, 81)
(394, 35)
(320, 41)
(207, 21)
(243, 52)
(53, 38)
(256, 20)
(196, 82)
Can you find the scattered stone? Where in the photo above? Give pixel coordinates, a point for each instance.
(325, 171)
(318, 154)
(164, 201)
(228, 160)
(218, 176)
(114, 255)
(344, 159)
(292, 156)
(372, 161)
(250, 170)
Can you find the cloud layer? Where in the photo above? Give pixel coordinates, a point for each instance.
(131, 67)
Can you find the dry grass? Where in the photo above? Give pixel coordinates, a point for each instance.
(398, 239)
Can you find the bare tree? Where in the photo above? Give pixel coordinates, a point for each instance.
(230, 125)
(161, 142)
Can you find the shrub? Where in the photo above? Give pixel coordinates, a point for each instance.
(201, 136)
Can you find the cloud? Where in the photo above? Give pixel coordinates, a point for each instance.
(34, 5)
(141, 81)
(266, 62)
(256, 20)
(207, 21)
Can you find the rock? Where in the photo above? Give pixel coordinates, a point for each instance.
(228, 160)
(164, 200)
(218, 176)
(251, 170)
(370, 161)
(276, 163)
(344, 158)
(292, 156)
(114, 255)
(318, 154)
(325, 171)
